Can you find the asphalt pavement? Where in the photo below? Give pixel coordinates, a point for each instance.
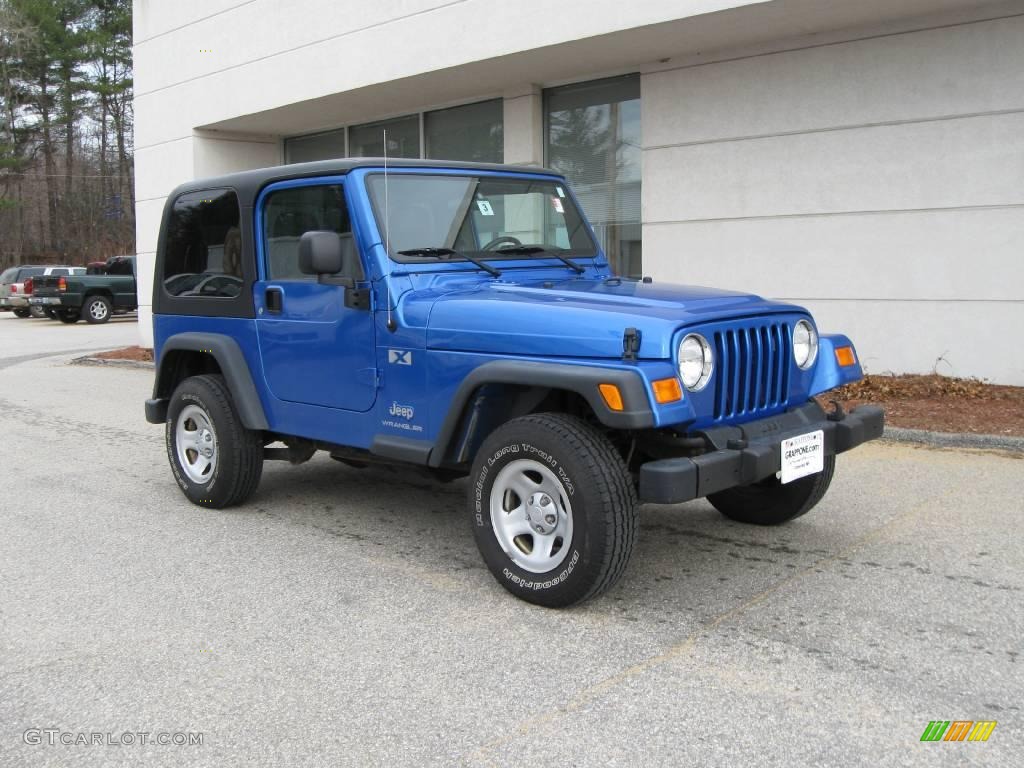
(343, 617)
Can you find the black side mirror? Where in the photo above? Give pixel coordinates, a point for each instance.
(320, 253)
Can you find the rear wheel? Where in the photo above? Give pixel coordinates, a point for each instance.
(37, 311)
(216, 461)
(96, 309)
(772, 503)
(553, 509)
(68, 316)
(21, 312)
(50, 313)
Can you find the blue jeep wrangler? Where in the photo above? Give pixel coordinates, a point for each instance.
(464, 320)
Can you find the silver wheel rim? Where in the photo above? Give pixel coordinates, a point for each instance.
(531, 516)
(98, 310)
(196, 444)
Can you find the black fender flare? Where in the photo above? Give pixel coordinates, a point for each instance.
(230, 360)
(581, 379)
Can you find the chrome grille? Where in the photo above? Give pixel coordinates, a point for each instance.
(751, 369)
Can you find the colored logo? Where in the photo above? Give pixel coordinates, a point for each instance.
(400, 356)
(958, 730)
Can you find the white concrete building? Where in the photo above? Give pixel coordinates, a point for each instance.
(865, 159)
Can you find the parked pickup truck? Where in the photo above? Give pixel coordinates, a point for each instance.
(92, 297)
(464, 320)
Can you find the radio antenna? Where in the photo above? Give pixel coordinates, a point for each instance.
(387, 239)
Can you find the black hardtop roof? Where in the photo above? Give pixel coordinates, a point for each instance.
(249, 183)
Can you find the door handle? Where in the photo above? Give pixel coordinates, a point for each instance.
(275, 300)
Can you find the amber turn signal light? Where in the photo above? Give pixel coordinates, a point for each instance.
(667, 390)
(612, 396)
(845, 356)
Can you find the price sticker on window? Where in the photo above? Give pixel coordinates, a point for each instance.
(485, 208)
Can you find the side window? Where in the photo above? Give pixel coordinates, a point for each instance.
(204, 246)
(290, 213)
(59, 272)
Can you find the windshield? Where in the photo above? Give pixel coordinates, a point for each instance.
(478, 216)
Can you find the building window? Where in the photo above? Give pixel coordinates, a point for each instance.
(403, 138)
(204, 245)
(474, 132)
(317, 146)
(592, 135)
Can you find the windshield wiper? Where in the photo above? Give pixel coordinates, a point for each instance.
(441, 253)
(528, 249)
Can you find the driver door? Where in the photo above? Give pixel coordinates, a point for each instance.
(315, 350)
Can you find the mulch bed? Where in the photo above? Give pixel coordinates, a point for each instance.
(139, 354)
(933, 402)
(938, 403)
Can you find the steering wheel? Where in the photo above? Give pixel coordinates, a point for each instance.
(499, 240)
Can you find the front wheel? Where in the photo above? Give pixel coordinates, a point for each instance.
(96, 310)
(553, 509)
(769, 502)
(216, 461)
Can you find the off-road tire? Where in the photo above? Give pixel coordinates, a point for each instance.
(600, 492)
(239, 464)
(97, 310)
(21, 312)
(772, 503)
(68, 316)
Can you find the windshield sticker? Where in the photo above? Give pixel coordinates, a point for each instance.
(556, 203)
(485, 207)
(560, 191)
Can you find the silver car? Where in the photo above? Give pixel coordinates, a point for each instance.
(12, 286)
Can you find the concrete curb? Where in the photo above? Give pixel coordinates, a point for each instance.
(87, 360)
(891, 434)
(954, 439)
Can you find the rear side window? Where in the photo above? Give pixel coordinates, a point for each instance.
(8, 275)
(290, 213)
(204, 246)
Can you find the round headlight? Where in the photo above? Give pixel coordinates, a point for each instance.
(805, 344)
(695, 362)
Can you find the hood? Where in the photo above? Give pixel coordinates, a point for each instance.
(576, 317)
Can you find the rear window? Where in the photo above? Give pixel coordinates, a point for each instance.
(204, 246)
(120, 267)
(29, 272)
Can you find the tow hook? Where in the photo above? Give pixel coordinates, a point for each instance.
(837, 413)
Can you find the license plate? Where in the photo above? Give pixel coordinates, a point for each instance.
(47, 300)
(802, 455)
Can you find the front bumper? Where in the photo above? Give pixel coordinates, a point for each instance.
(750, 452)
